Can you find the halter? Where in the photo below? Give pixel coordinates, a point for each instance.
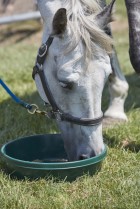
(56, 112)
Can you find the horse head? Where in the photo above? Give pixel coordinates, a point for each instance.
(76, 68)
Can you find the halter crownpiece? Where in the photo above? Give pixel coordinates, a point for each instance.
(56, 112)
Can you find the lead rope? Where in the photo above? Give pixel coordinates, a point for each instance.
(31, 108)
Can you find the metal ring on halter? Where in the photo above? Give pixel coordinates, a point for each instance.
(33, 109)
(44, 52)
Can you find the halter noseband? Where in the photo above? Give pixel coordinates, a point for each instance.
(56, 112)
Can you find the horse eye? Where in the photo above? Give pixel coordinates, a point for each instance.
(66, 85)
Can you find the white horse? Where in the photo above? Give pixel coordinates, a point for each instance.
(76, 68)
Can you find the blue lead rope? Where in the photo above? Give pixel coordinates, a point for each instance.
(14, 97)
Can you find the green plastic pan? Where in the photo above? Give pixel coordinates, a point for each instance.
(43, 156)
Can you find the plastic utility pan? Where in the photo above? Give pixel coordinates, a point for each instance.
(40, 156)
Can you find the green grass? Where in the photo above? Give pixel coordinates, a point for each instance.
(117, 186)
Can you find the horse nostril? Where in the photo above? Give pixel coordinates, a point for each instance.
(92, 154)
(83, 157)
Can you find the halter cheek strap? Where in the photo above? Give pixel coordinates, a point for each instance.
(56, 112)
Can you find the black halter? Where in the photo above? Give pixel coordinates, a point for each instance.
(56, 112)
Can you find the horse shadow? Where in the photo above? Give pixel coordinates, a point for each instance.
(127, 145)
(133, 98)
(16, 122)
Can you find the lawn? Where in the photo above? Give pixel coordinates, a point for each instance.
(117, 185)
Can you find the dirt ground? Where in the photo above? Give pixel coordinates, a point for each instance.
(17, 7)
(28, 31)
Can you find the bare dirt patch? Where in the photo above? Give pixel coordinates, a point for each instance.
(119, 25)
(28, 31)
(17, 7)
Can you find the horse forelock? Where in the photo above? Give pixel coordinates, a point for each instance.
(83, 24)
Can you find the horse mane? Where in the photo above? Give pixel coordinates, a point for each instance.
(83, 23)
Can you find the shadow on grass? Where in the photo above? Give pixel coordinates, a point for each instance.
(126, 145)
(18, 33)
(133, 98)
(132, 103)
(15, 121)
(22, 35)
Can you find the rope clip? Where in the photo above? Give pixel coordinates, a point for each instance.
(35, 109)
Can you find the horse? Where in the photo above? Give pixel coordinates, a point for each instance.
(77, 64)
(133, 12)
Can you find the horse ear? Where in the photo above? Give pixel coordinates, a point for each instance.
(105, 16)
(59, 21)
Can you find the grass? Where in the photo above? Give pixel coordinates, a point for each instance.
(117, 186)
